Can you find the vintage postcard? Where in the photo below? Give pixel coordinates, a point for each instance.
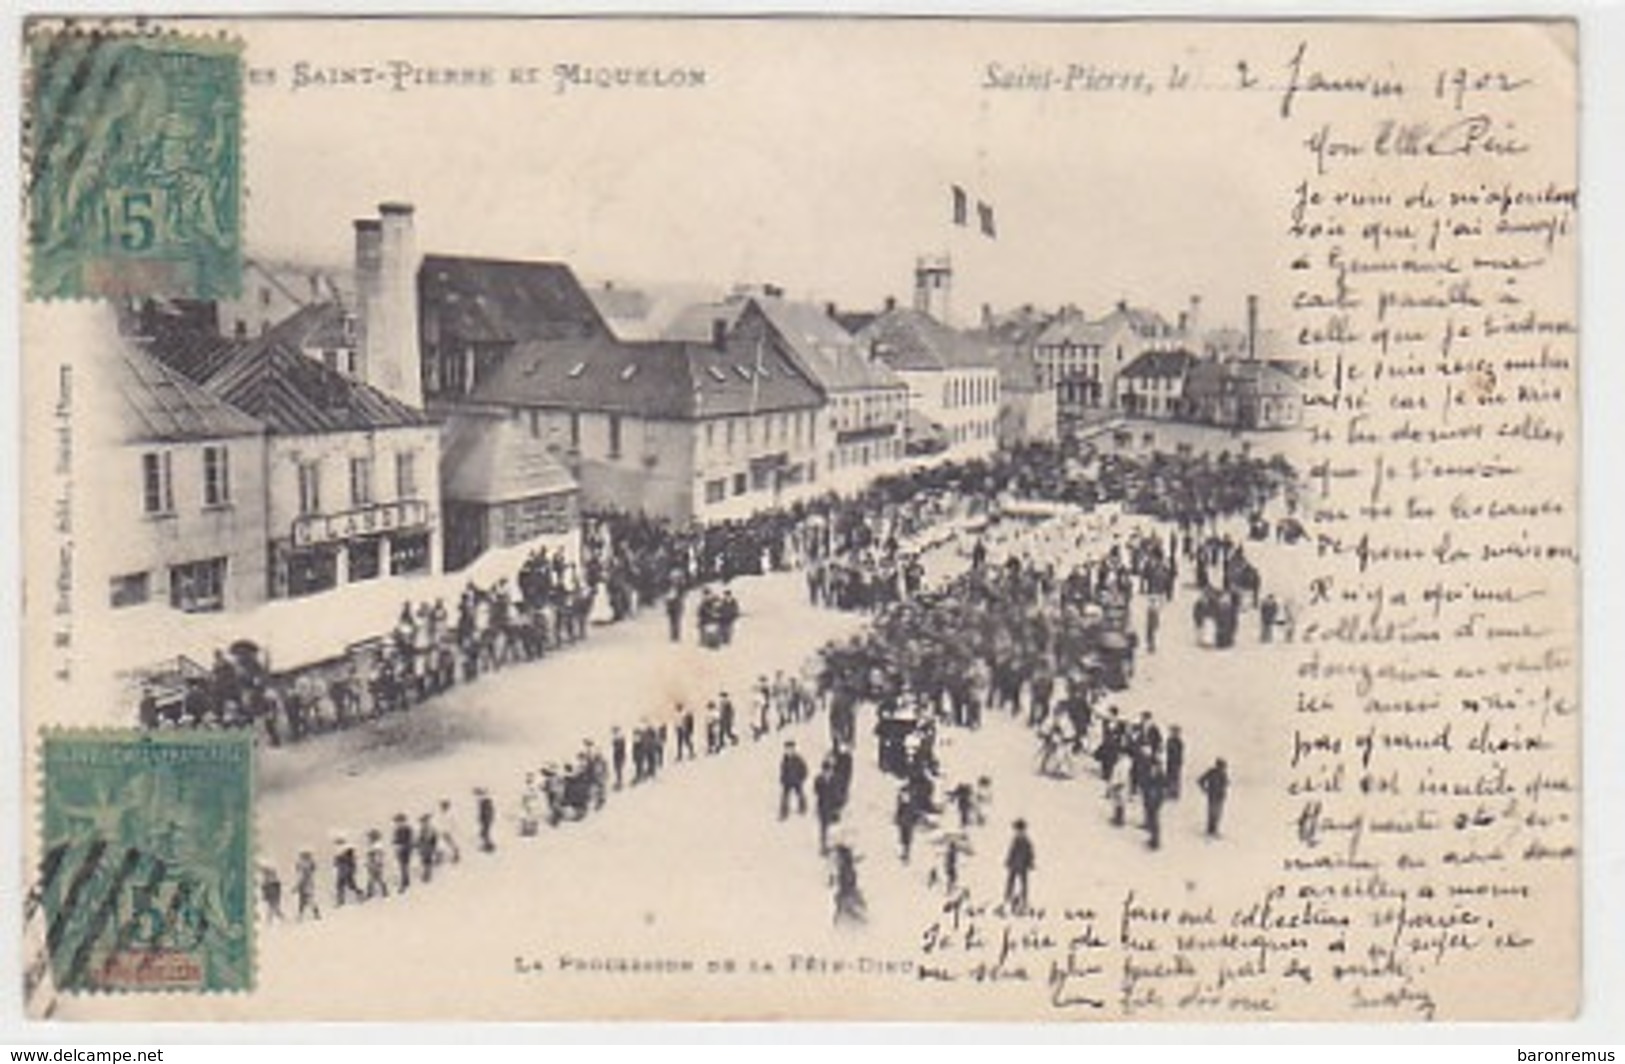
(800, 519)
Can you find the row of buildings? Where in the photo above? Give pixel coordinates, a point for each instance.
(417, 413)
(428, 411)
(1134, 362)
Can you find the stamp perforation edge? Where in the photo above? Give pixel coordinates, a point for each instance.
(39, 29)
(38, 957)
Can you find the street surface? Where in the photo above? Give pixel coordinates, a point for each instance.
(697, 865)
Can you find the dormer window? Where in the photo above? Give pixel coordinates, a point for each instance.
(577, 369)
(717, 375)
(629, 372)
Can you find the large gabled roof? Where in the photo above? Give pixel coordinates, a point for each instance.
(1213, 377)
(492, 460)
(294, 394)
(158, 405)
(481, 300)
(911, 340)
(1142, 320)
(654, 379)
(697, 322)
(821, 347)
(1074, 330)
(325, 325)
(1167, 364)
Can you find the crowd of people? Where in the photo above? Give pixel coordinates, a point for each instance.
(1044, 632)
(1034, 620)
(431, 649)
(379, 862)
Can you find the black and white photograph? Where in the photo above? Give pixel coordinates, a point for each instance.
(801, 519)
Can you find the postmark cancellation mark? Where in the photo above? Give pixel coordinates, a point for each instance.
(144, 881)
(134, 165)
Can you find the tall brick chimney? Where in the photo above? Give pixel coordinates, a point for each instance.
(369, 235)
(1252, 328)
(386, 276)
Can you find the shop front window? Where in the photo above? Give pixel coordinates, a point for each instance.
(365, 558)
(409, 554)
(312, 571)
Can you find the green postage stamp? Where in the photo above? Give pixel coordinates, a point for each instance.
(145, 879)
(134, 165)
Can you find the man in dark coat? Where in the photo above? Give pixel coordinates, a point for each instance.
(404, 847)
(428, 841)
(725, 722)
(487, 812)
(792, 781)
(1152, 791)
(824, 804)
(1215, 783)
(674, 614)
(1019, 862)
(617, 754)
(906, 817)
(344, 872)
(1174, 755)
(685, 733)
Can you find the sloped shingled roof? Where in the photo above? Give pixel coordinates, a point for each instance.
(1074, 330)
(320, 325)
(1211, 378)
(504, 301)
(908, 339)
(695, 322)
(825, 352)
(157, 404)
(294, 394)
(196, 356)
(492, 460)
(612, 302)
(656, 379)
(1160, 364)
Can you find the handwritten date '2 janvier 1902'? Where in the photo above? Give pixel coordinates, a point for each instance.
(1295, 81)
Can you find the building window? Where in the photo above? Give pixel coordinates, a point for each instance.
(310, 488)
(409, 553)
(361, 481)
(309, 572)
(710, 435)
(216, 476)
(535, 424)
(730, 436)
(575, 430)
(741, 483)
(158, 488)
(131, 589)
(366, 558)
(198, 587)
(716, 491)
(406, 475)
(614, 435)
